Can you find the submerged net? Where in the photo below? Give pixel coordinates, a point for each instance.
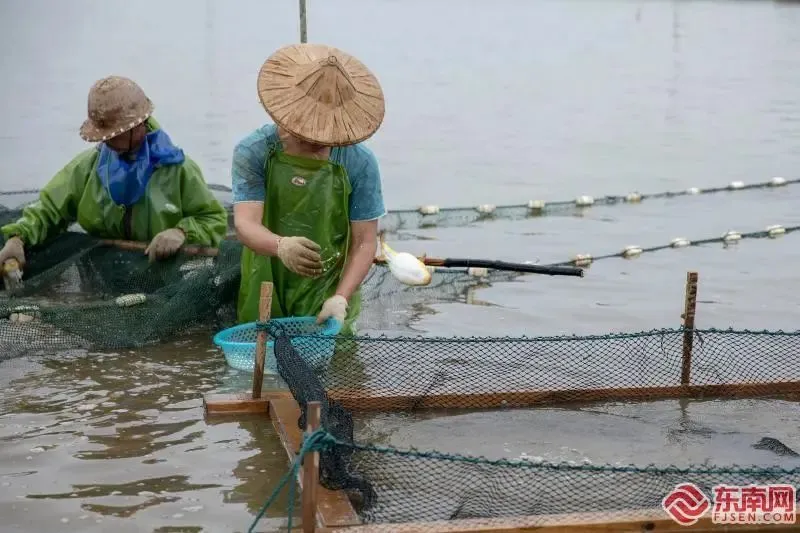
(403, 374)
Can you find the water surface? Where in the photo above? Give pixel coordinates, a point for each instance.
(487, 102)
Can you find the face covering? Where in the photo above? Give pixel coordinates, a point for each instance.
(125, 177)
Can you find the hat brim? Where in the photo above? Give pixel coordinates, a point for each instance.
(91, 132)
(309, 119)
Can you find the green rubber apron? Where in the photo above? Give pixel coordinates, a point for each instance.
(305, 198)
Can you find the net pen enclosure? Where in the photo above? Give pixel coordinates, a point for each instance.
(349, 484)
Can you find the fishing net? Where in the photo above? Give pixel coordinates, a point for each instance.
(78, 292)
(387, 484)
(81, 293)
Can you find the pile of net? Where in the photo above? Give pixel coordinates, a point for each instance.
(402, 375)
(79, 292)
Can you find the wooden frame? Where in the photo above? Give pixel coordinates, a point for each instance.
(619, 522)
(331, 511)
(331, 508)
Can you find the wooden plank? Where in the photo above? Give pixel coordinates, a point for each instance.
(242, 403)
(334, 508)
(361, 400)
(622, 522)
(311, 471)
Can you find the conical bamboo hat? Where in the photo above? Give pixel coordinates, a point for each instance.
(321, 94)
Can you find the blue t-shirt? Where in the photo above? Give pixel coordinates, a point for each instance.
(249, 158)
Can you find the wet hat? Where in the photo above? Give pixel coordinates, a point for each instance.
(321, 94)
(116, 105)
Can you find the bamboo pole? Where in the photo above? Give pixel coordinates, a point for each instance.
(551, 270)
(134, 246)
(303, 29)
(689, 309)
(264, 306)
(311, 471)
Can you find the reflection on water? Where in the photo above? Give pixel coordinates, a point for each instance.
(104, 437)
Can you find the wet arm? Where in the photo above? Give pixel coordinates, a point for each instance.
(366, 208)
(249, 194)
(251, 232)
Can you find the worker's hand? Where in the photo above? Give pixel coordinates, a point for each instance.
(300, 255)
(165, 244)
(13, 249)
(335, 306)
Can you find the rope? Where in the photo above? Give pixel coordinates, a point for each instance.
(426, 216)
(319, 440)
(541, 205)
(630, 252)
(729, 237)
(22, 191)
(587, 200)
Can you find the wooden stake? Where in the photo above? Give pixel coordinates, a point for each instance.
(264, 307)
(311, 471)
(333, 506)
(690, 306)
(303, 32)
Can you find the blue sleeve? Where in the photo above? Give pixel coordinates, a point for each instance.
(247, 172)
(366, 198)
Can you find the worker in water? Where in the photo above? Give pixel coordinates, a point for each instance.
(134, 184)
(307, 194)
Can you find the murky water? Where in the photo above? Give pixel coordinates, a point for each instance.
(486, 103)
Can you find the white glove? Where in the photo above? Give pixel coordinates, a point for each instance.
(335, 306)
(300, 255)
(165, 244)
(13, 249)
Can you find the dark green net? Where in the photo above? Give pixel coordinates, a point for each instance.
(391, 485)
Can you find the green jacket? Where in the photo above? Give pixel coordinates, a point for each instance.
(177, 197)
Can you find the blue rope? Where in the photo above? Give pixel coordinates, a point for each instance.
(316, 441)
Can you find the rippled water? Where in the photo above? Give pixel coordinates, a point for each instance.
(486, 103)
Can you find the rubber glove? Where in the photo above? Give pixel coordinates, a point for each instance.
(165, 244)
(300, 255)
(335, 306)
(13, 249)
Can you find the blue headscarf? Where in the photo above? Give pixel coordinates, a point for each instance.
(126, 180)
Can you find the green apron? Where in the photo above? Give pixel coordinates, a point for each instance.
(305, 198)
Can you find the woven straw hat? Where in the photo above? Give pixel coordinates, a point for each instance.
(321, 94)
(116, 105)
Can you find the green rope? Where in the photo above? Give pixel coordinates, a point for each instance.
(312, 442)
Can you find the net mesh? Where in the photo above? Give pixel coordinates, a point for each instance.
(77, 293)
(80, 293)
(403, 374)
